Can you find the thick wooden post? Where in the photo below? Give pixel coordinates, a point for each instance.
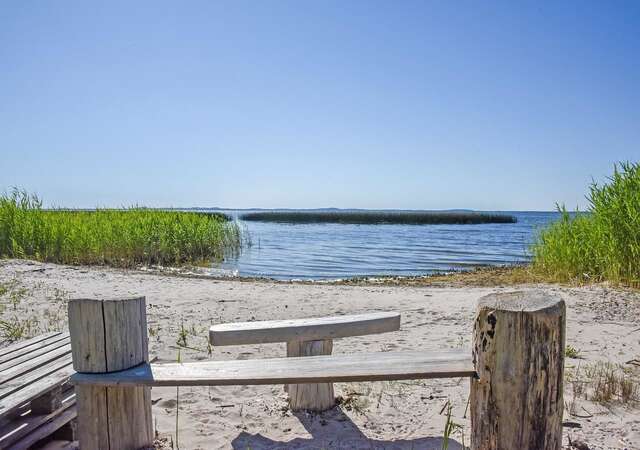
(312, 396)
(108, 336)
(518, 352)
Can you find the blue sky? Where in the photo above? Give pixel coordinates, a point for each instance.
(484, 105)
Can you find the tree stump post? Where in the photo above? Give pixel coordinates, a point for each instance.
(108, 336)
(311, 396)
(518, 352)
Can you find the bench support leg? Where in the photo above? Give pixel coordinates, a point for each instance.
(108, 336)
(518, 351)
(313, 396)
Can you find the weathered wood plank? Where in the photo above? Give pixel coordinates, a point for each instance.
(36, 383)
(33, 364)
(44, 430)
(44, 349)
(303, 329)
(25, 424)
(59, 337)
(312, 369)
(26, 343)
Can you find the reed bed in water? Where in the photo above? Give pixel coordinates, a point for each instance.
(115, 237)
(603, 244)
(379, 217)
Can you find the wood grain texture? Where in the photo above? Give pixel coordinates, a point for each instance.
(312, 396)
(36, 383)
(108, 336)
(24, 368)
(33, 349)
(312, 329)
(86, 327)
(27, 422)
(313, 369)
(12, 349)
(518, 349)
(44, 430)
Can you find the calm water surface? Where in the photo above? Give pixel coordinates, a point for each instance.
(331, 251)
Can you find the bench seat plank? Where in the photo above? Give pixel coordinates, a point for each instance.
(312, 369)
(272, 331)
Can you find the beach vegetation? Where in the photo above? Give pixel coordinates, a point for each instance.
(125, 237)
(602, 244)
(379, 217)
(572, 352)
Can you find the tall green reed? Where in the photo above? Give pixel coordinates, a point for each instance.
(604, 243)
(115, 237)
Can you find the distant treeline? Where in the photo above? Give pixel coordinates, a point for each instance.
(379, 217)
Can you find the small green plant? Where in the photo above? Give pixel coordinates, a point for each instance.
(572, 352)
(182, 336)
(450, 427)
(15, 329)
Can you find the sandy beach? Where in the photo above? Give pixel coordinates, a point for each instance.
(603, 324)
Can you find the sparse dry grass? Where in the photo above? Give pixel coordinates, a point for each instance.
(603, 383)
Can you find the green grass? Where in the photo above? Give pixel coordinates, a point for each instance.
(114, 237)
(602, 245)
(379, 217)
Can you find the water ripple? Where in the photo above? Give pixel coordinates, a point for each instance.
(326, 251)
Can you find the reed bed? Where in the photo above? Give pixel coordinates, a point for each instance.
(604, 243)
(379, 217)
(115, 237)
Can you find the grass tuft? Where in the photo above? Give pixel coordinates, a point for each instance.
(379, 217)
(601, 245)
(120, 238)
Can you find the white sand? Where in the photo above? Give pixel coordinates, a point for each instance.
(603, 323)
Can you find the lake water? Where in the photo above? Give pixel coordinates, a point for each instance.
(333, 251)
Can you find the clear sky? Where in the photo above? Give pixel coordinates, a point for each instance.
(396, 104)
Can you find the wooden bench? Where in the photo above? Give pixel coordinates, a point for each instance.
(516, 371)
(37, 400)
(304, 338)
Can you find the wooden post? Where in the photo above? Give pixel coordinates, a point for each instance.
(312, 396)
(518, 352)
(108, 336)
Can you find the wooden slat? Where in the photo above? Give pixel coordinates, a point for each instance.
(25, 424)
(312, 369)
(43, 348)
(303, 329)
(36, 383)
(33, 364)
(45, 430)
(26, 343)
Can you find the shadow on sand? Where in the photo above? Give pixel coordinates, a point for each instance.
(334, 430)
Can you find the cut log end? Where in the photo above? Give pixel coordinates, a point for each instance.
(523, 301)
